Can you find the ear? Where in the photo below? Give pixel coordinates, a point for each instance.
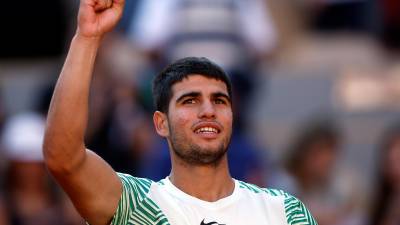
(161, 123)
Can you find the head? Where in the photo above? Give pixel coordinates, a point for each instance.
(194, 110)
(390, 156)
(388, 172)
(22, 141)
(314, 152)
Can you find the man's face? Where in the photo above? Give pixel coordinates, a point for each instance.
(199, 120)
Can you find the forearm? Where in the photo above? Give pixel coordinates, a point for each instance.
(68, 114)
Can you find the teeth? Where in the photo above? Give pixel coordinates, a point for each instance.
(206, 130)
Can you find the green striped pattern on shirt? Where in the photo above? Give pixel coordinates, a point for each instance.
(296, 212)
(134, 206)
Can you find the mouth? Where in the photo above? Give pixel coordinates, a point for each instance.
(205, 130)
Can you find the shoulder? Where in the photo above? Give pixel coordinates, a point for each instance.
(131, 180)
(257, 190)
(295, 211)
(139, 187)
(134, 199)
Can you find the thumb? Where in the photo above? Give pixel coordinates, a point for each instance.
(118, 4)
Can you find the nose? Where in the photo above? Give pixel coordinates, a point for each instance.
(207, 110)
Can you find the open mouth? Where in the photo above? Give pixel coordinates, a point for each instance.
(207, 130)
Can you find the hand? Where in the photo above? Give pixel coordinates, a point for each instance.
(97, 17)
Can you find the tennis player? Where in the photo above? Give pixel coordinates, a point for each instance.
(194, 114)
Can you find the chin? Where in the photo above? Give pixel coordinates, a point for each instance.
(212, 148)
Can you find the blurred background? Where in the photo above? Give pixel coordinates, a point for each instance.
(317, 98)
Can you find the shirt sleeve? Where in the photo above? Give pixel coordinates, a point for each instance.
(296, 212)
(133, 191)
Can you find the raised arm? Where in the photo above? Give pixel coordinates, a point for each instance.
(90, 182)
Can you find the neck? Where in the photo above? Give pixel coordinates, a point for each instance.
(205, 182)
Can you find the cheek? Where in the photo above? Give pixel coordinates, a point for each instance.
(392, 165)
(181, 119)
(227, 116)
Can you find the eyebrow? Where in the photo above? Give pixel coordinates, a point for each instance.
(189, 94)
(221, 94)
(194, 94)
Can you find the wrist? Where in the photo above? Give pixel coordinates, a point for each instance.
(89, 40)
(89, 45)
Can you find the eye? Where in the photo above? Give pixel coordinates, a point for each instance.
(189, 101)
(219, 101)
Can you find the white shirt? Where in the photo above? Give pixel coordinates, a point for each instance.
(147, 202)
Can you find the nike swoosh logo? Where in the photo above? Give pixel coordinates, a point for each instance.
(210, 223)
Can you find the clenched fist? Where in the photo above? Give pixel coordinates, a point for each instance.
(97, 17)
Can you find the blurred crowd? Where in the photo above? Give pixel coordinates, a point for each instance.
(316, 99)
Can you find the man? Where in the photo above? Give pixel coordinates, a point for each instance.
(194, 114)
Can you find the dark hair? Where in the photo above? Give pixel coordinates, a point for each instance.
(181, 69)
(384, 190)
(315, 131)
